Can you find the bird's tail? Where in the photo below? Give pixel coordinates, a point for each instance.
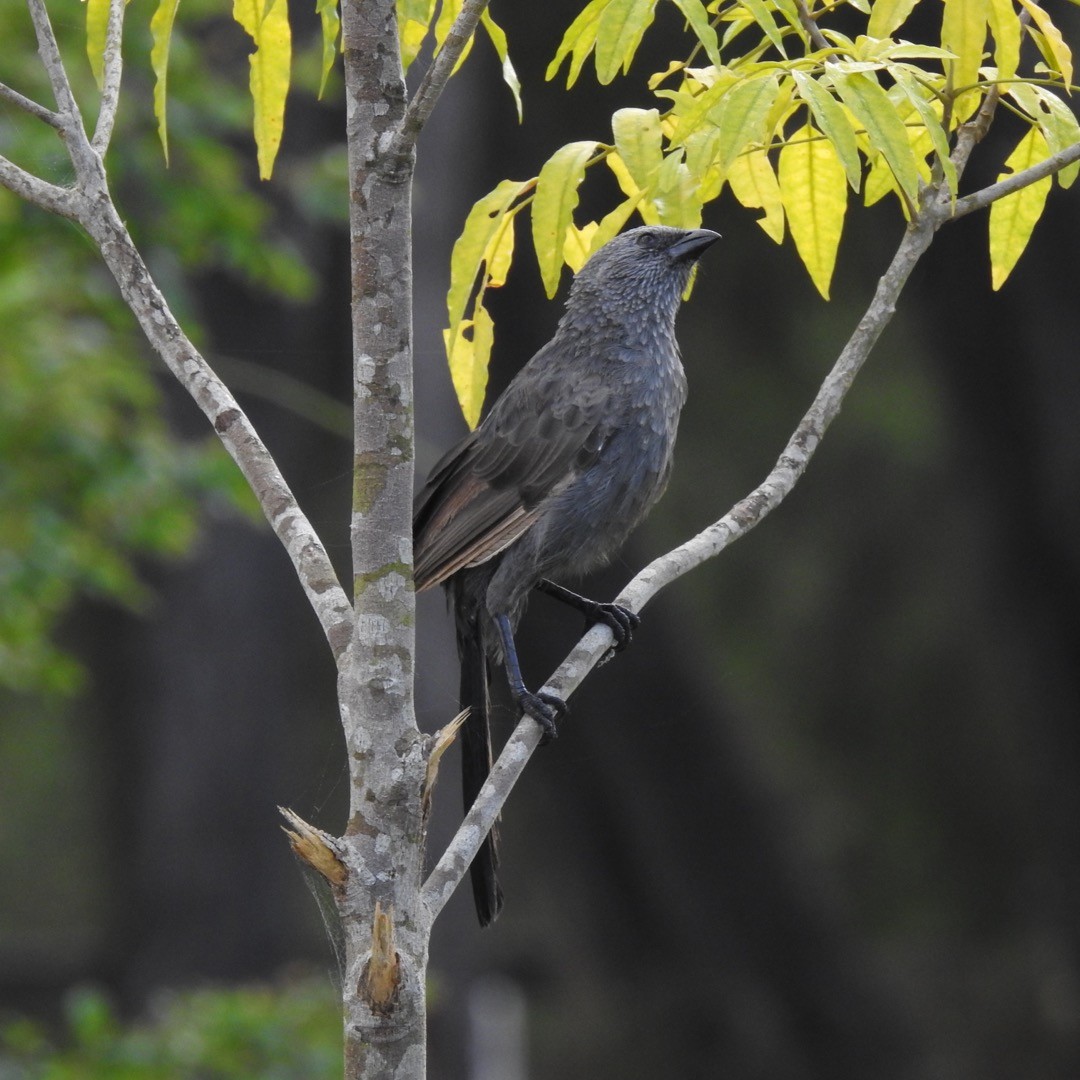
(476, 765)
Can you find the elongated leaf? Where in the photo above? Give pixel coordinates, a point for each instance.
(763, 17)
(754, 184)
(1060, 53)
(161, 26)
(834, 124)
(578, 41)
(498, 39)
(884, 129)
(813, 187)
(887, 15)
(931, 121)
(638, 141)
(677, 199)
(1005, 26)
(1056, 121)
(331, 27)
(621, 28)
(97, 25)
(268, 26)
(692, 110)
(740, 116)
(578, 245)
(963, 32)
(553, 207)
(414, 22)
(477, 244)
(468, 349)
(1013, 218)
(698, 19)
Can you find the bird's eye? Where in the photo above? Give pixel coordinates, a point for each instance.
(648, 240)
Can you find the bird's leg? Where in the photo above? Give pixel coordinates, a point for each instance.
(545, 709)
(620, 620)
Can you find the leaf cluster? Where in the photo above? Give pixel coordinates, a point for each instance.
(791, 114)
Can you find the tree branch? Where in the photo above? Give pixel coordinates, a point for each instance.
(31, 107)
(113, 67)
(813, 31)
(49, 52)
(438, 75)
(57, 200)
(978, 200)
(742, 517)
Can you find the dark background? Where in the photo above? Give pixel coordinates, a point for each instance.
(820, 822)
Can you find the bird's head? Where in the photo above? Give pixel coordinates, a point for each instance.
(648, 266)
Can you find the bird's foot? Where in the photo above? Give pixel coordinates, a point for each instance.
(621, 621)
(545, 709)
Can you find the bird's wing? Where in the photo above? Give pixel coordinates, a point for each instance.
(490, 488)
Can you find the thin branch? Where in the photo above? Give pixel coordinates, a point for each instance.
(974, 131)
(438, 75)
(33, 189)
(49, 52)
(113, 67)
(32, 107)
(809, 24)
(742, 517)
(978, 200)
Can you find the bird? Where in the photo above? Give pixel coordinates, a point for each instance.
(569, 459)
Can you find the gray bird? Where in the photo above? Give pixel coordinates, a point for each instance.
(570, 458)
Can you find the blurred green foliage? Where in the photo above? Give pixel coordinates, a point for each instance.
(91, 478)
(290, 1031)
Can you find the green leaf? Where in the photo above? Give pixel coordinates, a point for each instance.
(97, 25)
(1056, 121)
(621, 28)
(963, 32)
(638, 141)
(834, 123)
(161, 26)
(327, 11)
(813, 186)
(740, 116)
(578, 41)
(763, 17)
(553, 207)
(916, 94)
(1013, 218)
(677, 199)
(268, 26)
(1005, 26)
(698, 18)
(887, 15)
(753, 182)
(414, 22)
(498, 39)
(1060, 55)
(884, 129)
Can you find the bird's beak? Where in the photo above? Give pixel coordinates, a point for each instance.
(693, 245)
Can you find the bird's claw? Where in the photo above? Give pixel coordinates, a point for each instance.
(621, 621)
(545, 709)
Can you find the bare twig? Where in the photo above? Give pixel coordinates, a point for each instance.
(742, 517)
(974, 131)
(110, 89)
(437, 75)
(809, 24)
(49, 52)
(978, 200)
(57, 200)
(20, 101)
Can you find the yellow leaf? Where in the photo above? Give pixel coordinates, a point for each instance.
(578, 244)
(469, 352)
(554, 204)
(161, 26)
(887, 15)
(754, 184)
(813, 187)
(963, 32)
(499, 253)
(677, 199)
(1060, 53)
(97, 25)
(618, 34)
(1005, 26)
(268, 26)
(1013, 218)
(578, 41)
(414, 21)
(638, 142)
